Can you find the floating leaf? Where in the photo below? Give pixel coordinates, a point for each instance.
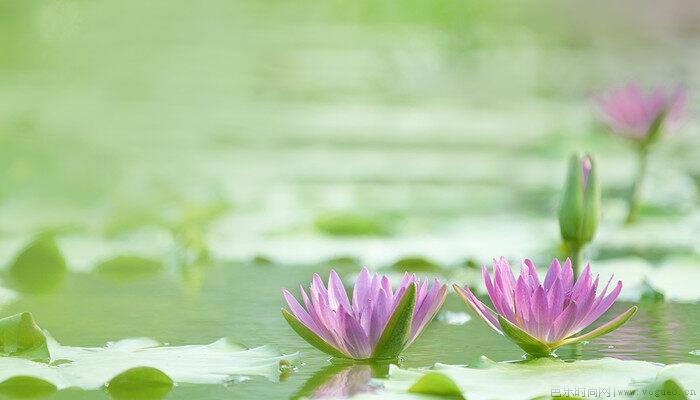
(349, 224)
(129, 368)
(21, 337)
(39, 267)
(437, 384)
(140, 383)
(24, 387)
(129, 267)
(526, 380)
(666, 389)
(91, 368)
(684, 375)
(415, 263)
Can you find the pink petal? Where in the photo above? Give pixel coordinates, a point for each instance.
(479, 308)
(337, 295)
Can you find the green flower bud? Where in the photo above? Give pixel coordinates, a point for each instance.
(580, 205)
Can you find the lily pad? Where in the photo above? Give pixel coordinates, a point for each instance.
(666, 389)
(124, 364)
(26, 387)
(533, 379)
(435, 383)
(415, 263)
(350, 224)
(91, 368)
(39, 267)
(21, 337)
(140, 383)
(129, 267)
(685, 376)
(84, 252)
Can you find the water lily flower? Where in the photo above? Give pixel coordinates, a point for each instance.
(378, 323)
(643, 118)
(542, 316)
(632, 113)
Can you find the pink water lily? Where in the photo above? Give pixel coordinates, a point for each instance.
(377, 323)
(631, 112)
(541, 316)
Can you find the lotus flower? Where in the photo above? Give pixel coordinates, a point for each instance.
(378, 323)
(632, 113)
(542, 316)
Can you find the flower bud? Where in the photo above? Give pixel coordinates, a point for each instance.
(580, 205)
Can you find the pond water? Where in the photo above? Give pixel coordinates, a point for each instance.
(243, 302)
(240, 146)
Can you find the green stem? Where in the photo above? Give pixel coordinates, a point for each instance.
(636, 190)
(575, 251)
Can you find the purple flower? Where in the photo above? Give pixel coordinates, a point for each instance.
(378, 323)
(542, 316)
(631, 113)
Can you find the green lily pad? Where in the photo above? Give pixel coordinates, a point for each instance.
(26, 387)
(415, 263)
(140, 383)
(139, 364)
(350, 224)
(129, 267)
(437, 384)
(21, 337)
(91, 368)
(685, 376)
(39, 267)
(540, 378)
(666, 389)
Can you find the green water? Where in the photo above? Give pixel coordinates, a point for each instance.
(205, 136)
(243, 302)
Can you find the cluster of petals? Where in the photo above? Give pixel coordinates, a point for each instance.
(354, 326)
(550, 310)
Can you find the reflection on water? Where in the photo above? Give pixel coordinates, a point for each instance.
(342, 379)
(656, 333)
(242, 301)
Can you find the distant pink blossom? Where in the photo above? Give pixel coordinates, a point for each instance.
(630, 112)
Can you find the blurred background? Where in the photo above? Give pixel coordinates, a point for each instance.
(148, 136)
(408, 117)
